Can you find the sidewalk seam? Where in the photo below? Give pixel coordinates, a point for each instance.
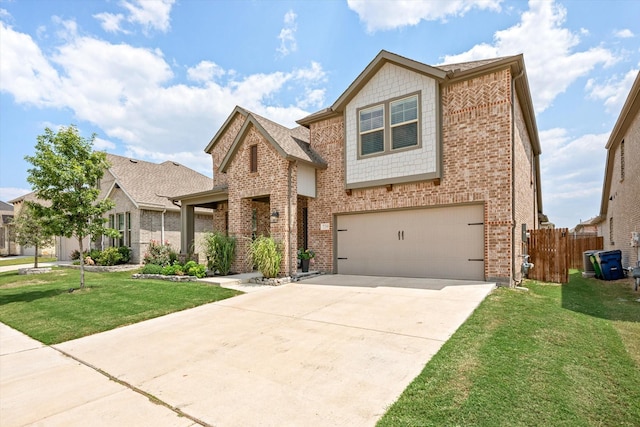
(135, 389)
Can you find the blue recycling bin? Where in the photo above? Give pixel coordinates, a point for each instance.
(611, 264)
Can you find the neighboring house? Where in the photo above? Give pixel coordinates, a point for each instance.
(415, 171)
(48, 251)
(7, 241)
(586, 228)
(619, 220)
(143, 211)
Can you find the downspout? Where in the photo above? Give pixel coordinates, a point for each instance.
(290, 218)
(513, 178)
(162, 227)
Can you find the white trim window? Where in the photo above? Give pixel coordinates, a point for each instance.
(390, 126)
(120, 220)
(372, 130)
(404, 123)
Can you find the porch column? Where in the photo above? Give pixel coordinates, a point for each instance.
(187, 234)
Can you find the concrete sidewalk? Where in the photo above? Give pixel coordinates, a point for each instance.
(39, 385)
(328, 351)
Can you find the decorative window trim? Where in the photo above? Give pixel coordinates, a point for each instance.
(388, 126)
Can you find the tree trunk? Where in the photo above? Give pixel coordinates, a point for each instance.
(35, 260)
(81, 262)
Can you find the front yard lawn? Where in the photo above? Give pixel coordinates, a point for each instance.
(42, 307)
(556, 355)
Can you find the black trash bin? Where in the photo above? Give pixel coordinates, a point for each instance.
(611, 264)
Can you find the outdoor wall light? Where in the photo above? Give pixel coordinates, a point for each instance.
(275, 214)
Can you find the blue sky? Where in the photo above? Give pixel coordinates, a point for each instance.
(156, 79)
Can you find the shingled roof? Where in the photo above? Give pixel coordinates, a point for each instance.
(292, 144)
(149, 185)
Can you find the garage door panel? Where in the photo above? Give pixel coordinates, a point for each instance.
(434, 242)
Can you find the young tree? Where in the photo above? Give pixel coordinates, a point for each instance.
(31, 231)
(66, 172)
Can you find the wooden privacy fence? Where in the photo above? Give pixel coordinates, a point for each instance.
(554, 251)
(578, 245)
(549, 251)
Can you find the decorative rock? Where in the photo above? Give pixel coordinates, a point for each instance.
(164, 277)
(32, 270)
(277, 281)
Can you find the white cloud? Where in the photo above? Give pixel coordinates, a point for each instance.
(204, 71)
(388, 15)
(572, 174)
(130, 95)
(24, 71)
(103, 145)
(624, 34)
(67, 28)
(287, 34)
(111, 22)
(10, 193)
(551, 63)
(614, 91)
(149, 14)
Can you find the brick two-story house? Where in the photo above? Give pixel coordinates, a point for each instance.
(415, 170)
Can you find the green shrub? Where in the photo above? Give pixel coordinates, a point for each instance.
(168, 270)
(152, 269)
(110, 256)
(192, 268)
(160, 254)
(266, 254)
(95, 254)
(125, 254)
(220, 250)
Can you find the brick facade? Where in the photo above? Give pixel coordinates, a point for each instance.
(482, 150)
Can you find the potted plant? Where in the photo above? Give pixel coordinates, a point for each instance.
(305, 255)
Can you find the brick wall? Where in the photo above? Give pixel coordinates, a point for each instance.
(476, 167)
(525, 185)
(272, 180)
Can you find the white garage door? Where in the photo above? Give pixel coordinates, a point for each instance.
(446, 243)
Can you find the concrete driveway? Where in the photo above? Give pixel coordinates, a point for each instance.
(332, 350)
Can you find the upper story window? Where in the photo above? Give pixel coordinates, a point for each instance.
(392, 125)
(404, 123)
(372, 130)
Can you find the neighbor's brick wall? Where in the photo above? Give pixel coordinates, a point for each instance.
(476, 161)
(625, 204)
(271, 180)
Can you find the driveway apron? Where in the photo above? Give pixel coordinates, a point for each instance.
(332, 350)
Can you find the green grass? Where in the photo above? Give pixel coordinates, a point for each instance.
(556, 355)
(27, 260)
(42, 307)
